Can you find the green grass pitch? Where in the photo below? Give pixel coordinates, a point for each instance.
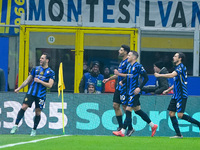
(81, 142)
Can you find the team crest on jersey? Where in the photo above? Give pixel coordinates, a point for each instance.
(133, 68)
(48, 71)
(41, 72)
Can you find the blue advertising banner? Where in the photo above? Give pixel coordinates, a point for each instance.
(10, 14)
(93, 114)
(4, 51)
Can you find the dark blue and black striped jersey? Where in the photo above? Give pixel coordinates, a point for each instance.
(180, 82)
(37, 89)
(122, 69)
(133, 73)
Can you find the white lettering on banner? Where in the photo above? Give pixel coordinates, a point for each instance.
(112, 13)
(89, 117)
(53, 112)
(16, 106)
(30, 115)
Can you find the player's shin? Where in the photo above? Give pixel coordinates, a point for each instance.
(20, 115)
(36, 121)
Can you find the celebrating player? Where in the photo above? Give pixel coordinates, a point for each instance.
(134, 70)
(120, 95)
(179, 98)
(43, 77)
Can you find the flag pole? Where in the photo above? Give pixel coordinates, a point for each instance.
(61, 87)
(63, 112)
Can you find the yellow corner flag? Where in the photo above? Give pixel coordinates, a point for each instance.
(61, 87)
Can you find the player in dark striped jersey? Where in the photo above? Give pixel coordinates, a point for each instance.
(120, 95)
(43, 77)
(134, 70)
(179, 98)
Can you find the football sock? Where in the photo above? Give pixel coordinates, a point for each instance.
(143, 115)
(190, 119)
(130, 127)
(175, 125)
(128, 120)
(20, 115)
(151, 124)
(123, 131)
(36, 121)
(119, 120)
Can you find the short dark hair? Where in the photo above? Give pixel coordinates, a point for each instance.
(126, 48)
(47, 56)
(135, 53)
(159, 64)
(182, 56)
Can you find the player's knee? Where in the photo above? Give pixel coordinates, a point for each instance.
(24, 107)
(180, 115)
(116, 106)
(171, 114)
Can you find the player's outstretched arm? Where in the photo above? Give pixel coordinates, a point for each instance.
(25, 83)
(116, 72)
(168, 75)
(111, 78)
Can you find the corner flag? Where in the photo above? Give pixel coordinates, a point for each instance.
(61, 85)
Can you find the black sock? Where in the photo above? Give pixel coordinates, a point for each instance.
(128, 120)
(20, 115)
(143, 115)
(190, 119)
(36, 121)
(175, 125)
(119, 120)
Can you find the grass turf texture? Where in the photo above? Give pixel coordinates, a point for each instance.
(80, 142)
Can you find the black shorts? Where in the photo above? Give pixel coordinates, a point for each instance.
(120, 99)
(177, 105)
(133, 100)
(29, 99)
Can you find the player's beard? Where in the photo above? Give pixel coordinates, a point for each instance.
(43, 63)
(175, 62)
(121, 55)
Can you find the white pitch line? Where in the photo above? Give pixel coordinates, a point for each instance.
(34, 141)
